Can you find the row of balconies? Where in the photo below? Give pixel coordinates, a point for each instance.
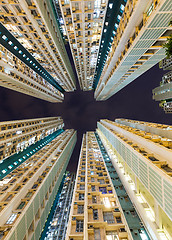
(21, 174)
(14, 62)
(152, 137)
(17, 212)
(147, 135)
(28, 23)
(122, 25)
(154, 125)
(163, 165)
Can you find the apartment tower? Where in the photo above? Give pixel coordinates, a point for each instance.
(163, 93)
(137, 45)
(33, 56)
(56, 225)
(101, 208)
(31, 172)
(141, 153)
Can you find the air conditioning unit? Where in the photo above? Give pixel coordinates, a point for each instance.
(74, 218)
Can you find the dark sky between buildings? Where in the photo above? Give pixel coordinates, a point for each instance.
(81, 112)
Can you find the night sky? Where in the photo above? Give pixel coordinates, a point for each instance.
(81, 112)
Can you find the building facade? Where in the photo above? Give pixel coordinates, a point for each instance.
(112, 43)
(137, 45)
(84, 22)
(34, 25)
(57, 225)
(29, 189)
(163, 93)
(99, 210)
(141, 154)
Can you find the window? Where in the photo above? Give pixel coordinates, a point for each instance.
(82, 179)
(82, 173)
(82, 187)
(79, 225)
(89, 5)
(101, 181)
(76, 6)
(68, 11)
(81, 196)
(97, 235)
(118, 220)
(103, 190)
(93, 188)
(94, 199)
(92, 179)
(108, 217)
(100, 174)
(80, 209)
(111, 235)
(95, 214)
(92, 172)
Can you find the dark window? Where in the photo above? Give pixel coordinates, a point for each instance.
(108, 217)
(79, 225)
(81, 196)
(103, 190)
(80, 209)
(82, 179)
(94, 199)
(95, 214)
(82, 187)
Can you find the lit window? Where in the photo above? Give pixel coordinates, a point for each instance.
(11, 218)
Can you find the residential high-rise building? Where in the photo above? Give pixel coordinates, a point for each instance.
(163, 93)
(57, 221)
(112, 43)
(101, 208)
(18, 135)
(30, 178)
(35, 52)
(84, 22)
(137, 45)
(141, 153)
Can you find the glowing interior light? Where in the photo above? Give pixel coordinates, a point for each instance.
(106, 202)
(120, 165)
(127, 177)
(18, 132)
(140, 199)
(150, 214)
(143, 235)
(11, 218)
(122, 7)
(163, 236)
(132, 186)
(110, 5)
